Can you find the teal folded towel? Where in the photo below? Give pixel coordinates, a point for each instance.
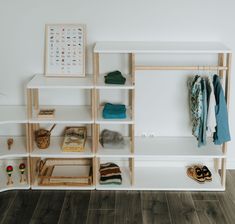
(114, 111)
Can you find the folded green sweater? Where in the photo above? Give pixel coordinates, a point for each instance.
(115, 77)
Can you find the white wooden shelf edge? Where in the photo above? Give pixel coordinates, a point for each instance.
(40, 81)
(161, 47)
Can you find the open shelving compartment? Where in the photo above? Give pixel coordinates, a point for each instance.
(65, 116)
(153, 158)
(14, 126)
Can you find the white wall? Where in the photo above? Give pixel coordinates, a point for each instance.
(22, 36)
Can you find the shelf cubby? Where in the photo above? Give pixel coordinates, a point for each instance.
(17, 185)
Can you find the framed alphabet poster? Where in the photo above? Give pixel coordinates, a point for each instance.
(65, 50)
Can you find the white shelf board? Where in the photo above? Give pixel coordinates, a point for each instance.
(65, 115)
(15, 178)
(126, 182)
(172, 179)
(161, 47)
(101, 120)
(13, 114)
(111, 153)
(102, 85)
(55, 151)
(40, 81)
(175, 147)
(18, 148)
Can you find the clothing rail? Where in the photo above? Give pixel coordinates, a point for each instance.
(142, 67)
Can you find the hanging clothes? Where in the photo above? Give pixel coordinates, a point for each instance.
(196, 104)
(222, 133)
(211, 119)
(203, 123)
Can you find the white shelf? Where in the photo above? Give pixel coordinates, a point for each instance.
(42, 82)
(112, 153)
(161, 47)
(66, 114)
(15, 178)
(55, 151)
(13, 114)
(18, 149)
(175, 147)
(102, 85)
(101, 120)
(126, 183)
(172, 179)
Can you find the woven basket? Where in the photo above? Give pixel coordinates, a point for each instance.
(42, 138)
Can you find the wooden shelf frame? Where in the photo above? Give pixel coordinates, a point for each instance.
(131, 102)
(223, 67)
(33, 104)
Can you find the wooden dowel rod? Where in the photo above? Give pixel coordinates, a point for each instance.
(140, 67)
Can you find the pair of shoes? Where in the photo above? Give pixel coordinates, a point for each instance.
(199, 173)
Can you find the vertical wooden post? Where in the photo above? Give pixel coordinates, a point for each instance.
(227, 98)
(221, 73)
(96, 75)
(28, 171)
(94, 165)
(36, 99)
(29, 103)
(132, 126)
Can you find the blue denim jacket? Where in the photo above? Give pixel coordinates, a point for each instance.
(222, 133)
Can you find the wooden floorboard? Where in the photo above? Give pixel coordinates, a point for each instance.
(119, 207)
(22, 208)
(182, 209)
(155, 208)
(210, 212)
(6, 199)
(49, 207)
(128, 208)
(102, 200)
(98, 216)
(75, 207)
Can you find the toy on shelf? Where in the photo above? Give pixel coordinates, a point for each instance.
(22, 172)
(9, 171)
(10, 142)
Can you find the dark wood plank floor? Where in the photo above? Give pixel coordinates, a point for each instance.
(124, 207)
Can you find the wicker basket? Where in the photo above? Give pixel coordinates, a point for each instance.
(42, 137)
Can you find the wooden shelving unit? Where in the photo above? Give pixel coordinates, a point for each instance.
(155, 174)
(146, 163)
(64, 115)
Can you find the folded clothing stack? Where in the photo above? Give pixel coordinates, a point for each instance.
(115, 77)
(110, 173)
(114, 111)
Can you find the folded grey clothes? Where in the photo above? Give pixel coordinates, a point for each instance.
(111, 139)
